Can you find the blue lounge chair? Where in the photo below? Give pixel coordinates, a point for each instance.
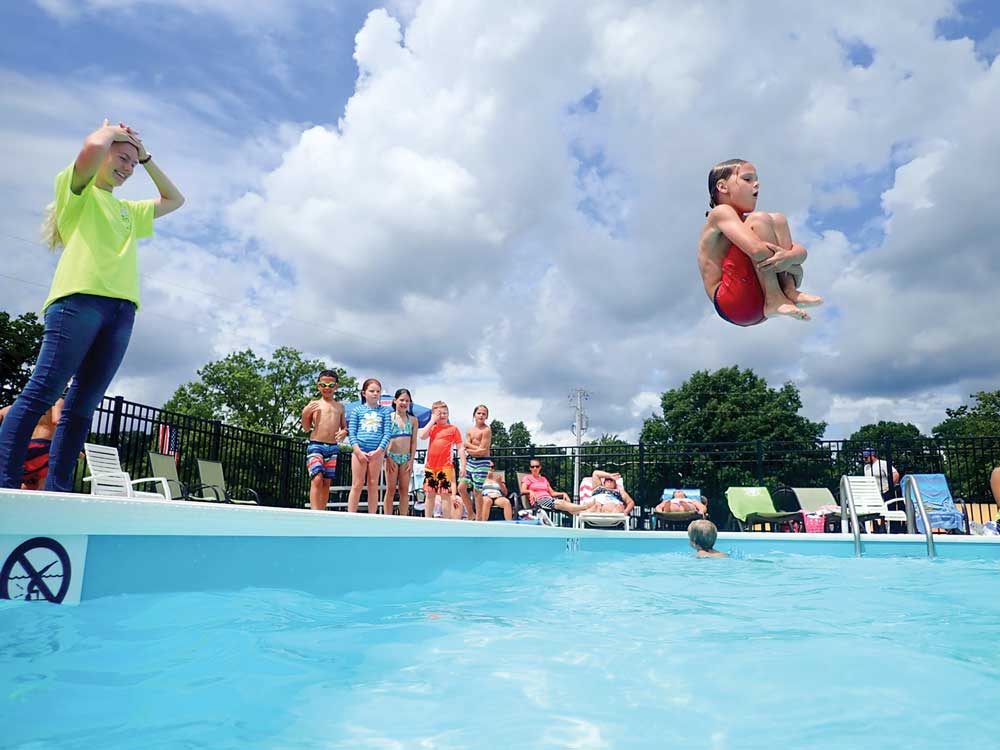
(677, 519)
(933, 490)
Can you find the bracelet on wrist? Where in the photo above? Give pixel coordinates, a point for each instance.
(146, 160)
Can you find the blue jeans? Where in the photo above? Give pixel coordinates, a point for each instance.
(85, 338)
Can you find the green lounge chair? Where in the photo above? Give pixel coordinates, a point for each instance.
(165, 465)
(211, 475)
(753, 505)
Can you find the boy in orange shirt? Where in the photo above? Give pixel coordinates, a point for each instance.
(441, 436)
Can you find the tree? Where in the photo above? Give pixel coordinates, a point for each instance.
(725, 407)
(730, 405)
(519, 435)
(20, 341)
(249, 391)
(607, 439)
(982, 419)
(500, 437)
(874, 434)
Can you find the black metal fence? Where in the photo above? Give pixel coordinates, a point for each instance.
(274, 465)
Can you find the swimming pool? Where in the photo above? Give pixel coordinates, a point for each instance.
(75, 547)
(501, 641)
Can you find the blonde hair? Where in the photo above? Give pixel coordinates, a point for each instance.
(703, 534)
(50, 229)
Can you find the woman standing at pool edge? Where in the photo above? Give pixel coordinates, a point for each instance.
(93, 299)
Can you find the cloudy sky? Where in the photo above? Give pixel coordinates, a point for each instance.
(499, 202)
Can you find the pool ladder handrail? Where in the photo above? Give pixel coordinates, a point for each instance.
(915, 501)
(847, 498)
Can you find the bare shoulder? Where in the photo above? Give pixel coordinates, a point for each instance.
(720, 214)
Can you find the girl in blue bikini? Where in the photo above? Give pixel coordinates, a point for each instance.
(401, 450)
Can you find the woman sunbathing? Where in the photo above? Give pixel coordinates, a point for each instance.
(680, 503)
(609, 495)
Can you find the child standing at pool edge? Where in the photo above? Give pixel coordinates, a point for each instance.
(478, 442)
(441, 436)
(324, 419)
(368, 430)
(91, 306)
(749, 265)
(400, 453)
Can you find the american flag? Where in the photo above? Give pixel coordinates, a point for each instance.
(169, 442)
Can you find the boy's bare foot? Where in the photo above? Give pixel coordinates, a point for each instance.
(785, 308)
(804, 300)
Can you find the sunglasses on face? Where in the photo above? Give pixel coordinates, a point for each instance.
(535, 466)
(327, 385)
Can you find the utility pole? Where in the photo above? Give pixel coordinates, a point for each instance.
(576, 397)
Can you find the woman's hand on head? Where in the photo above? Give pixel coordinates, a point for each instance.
(122, 133)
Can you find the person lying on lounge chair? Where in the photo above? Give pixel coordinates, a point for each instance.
(494, 493)
(540, 494)
(609, 495)
(680, 503)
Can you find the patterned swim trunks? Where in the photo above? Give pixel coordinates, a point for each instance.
(322, 457)
(36, 462)
(477, 469)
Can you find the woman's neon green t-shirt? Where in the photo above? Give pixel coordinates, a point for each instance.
(99, 233)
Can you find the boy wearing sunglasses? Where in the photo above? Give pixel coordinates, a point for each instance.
(324, 419)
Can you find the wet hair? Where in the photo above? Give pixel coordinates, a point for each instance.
(368, 383)
(721, 171)
(399, 392)
(481, 406)
(329, 374)
(703, 534)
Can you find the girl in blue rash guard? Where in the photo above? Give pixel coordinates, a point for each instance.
(368, 429)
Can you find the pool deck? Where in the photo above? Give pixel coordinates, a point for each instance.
(88, 546)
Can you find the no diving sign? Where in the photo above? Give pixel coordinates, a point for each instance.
(42, 569)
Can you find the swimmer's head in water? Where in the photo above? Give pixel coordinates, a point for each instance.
(702, 534)
(733, 182)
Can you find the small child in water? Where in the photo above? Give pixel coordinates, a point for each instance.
(702, 535)
(749, 265)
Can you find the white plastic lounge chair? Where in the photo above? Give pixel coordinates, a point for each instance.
(868, 502)
(107, 478)
(597, 520)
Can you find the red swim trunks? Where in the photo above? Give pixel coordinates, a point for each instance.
(36, 462)
(739, 298)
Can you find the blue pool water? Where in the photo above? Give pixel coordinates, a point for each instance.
(582, 650)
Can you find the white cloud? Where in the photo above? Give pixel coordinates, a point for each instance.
(467, 226)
